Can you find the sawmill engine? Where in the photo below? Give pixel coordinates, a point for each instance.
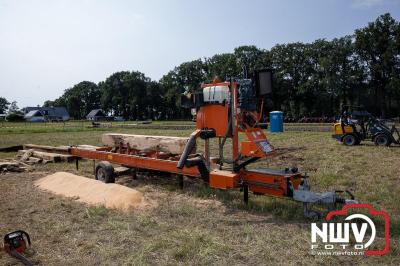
(250, 91)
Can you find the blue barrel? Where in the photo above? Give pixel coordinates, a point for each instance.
(276, 121)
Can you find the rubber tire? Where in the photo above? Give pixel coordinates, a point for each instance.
(105, 172)
(382, 140)
(349, 140)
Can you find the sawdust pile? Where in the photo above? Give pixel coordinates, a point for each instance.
(92, 191)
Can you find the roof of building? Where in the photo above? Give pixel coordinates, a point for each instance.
(49, 111)
(95, 112)
(32, 113)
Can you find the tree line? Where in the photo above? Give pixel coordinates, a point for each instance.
(310, 79)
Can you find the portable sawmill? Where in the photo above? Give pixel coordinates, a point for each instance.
(223, 110)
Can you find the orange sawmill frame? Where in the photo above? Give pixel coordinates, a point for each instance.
(259, 183)
(263, 183)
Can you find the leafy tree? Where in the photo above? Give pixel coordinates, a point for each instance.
(13, 108)
(14, 113)
(223, 66)
(378, 47)
(48, 103)
(124, 94)
(338, 75)
(154, 100)
(187, 76)
(251, 57)
(80, 99)
(172, 89)
(3, 105)
(15, 117)
(292, 73)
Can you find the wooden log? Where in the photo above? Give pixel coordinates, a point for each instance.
(6, 166)
(87, 147)
(11, 148)
(171, 145)
(34, 160)
(53, 157)
(21, 163)
(25, 156)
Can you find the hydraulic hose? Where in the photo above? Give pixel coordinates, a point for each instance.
(188, 148)
(221, 146)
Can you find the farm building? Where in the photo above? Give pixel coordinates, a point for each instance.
(34, 116)
(98, 115)
(42, 114)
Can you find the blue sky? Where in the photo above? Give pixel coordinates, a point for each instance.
(47, 46)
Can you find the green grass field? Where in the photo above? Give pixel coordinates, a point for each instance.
(196, 226)
(73, 125)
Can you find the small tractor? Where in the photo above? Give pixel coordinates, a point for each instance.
(359, 125)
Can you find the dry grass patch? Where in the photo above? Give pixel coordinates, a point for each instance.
(197, 226)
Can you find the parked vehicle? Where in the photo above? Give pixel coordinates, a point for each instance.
(352, 128)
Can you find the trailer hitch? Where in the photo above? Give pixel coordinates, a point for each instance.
(329, 199)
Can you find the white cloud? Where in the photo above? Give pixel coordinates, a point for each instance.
(367, 3)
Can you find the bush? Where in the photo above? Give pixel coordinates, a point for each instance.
(15, 117)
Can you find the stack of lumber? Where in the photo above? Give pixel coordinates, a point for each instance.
(33, 154)
(166, 144)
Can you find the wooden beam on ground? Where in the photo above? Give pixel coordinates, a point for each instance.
(14, 166)
(33, 160)
(45, 148)
(121, 170)
(4, 164)
(47, 156)
(11, 148)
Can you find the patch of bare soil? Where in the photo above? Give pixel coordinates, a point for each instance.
(286, 150)
(202, 203)
(291, 159)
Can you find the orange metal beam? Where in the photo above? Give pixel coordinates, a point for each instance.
(235, 133)
(260, 183)
(135, 161)
(270, 184)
